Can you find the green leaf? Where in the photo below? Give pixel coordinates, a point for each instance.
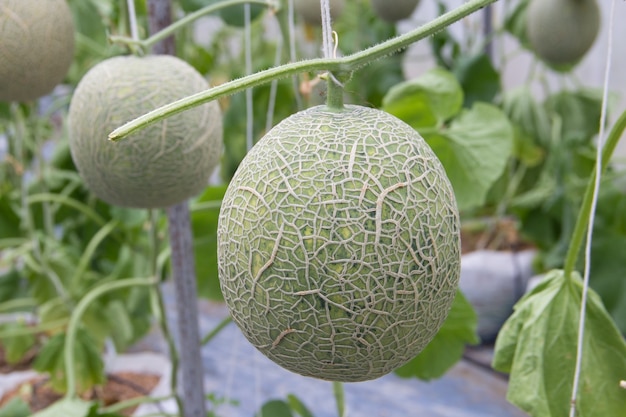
(9, 220)
(446, 349)
(67, 408)
(537, 346)
(479, 79)
(275, 408)
(426, 101)
(15, 408)
(17, 346)
(204, 227)
(531, 117)
(579, 114)
(119, 323)
(474, 150)
(298, 406)
(89, 365)
(10, 285)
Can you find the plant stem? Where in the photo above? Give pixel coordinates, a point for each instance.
(122, 405)
(583, 215)
(72, 327)
(225, 322)
(340, 398)
(345, 64)
(168, 30)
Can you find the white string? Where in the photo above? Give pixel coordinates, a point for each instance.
(327, 32)
(132, 17)
(249, 98)
(292, 50)
(269, 121)
(583, 307)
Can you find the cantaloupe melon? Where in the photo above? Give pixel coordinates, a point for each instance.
(394, 10)
(159, 166)
(561, 32)
(36, 47)
(338, 244)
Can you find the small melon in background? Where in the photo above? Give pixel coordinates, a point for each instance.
(394, 10)
(160, 165)
(311, 12)
(36, 47)
(339, 244)
(561, 32)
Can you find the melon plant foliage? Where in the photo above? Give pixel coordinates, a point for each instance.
(338, 244)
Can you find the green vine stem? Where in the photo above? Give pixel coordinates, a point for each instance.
(209, 336)
(158, 308)
(340, 398)
(190, 18)
(72, 327)
(122, 405)
(583, 215)
(344, 64)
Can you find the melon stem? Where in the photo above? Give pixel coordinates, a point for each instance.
(334, 92)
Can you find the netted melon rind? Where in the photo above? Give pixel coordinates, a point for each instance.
(159, 166)
(338, 244)
(36, 47)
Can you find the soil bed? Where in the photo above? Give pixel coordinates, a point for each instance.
(120, 386)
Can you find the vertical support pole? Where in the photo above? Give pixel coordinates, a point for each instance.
(488, 30)
(183, 263)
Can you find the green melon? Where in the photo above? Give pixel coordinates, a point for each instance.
(394, 10)
(159, 166)
(311, 13)
(36, 47)
(338, 244)
(561, 32)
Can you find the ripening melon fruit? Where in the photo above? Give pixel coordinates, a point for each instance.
(36, 47)
(561, 32)
(159, 166)
(394, 10)
(311, 12)
(338, 244)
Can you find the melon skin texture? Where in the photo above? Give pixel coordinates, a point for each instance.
(561, 32)
(36, 47)
(338, 244)
(160, 165)
(311, 13)
(394, 10)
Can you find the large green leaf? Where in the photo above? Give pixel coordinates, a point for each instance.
(15, 408)
(479, 79)
(17, 346)
(446, 349)
(89, 366)
(523, 110)
(537, 346)
(204, 226)
(474, 150)
(426, 101)
(579, 114)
